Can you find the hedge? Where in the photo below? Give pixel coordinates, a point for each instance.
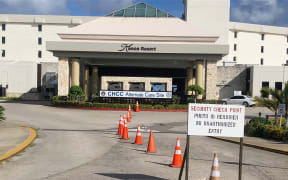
(57, 102)
(2, 113)
(261, 127)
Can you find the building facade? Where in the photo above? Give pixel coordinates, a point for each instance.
(51, 53)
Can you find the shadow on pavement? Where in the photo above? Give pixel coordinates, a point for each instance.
(162, 164)
(43, 103)
(244, 164)
(130, 176)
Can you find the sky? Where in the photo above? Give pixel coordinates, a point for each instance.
(268, 12)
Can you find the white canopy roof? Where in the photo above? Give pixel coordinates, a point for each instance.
(138, 29)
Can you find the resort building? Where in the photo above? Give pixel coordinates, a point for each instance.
(136, 52)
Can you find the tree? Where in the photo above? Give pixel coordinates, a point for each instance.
(277, 97)
(2, 113)
(196, 90)
(76, 93)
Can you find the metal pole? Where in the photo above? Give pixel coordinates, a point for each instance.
(183, 163)
(187, 158)
(240, 159)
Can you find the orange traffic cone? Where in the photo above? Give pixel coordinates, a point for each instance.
(121, 126)
(138, 139)
(177, 159)
(129, 112)
(128, 117)
(124, 116)
(151, 145)
(215, 172)
(125, 132)
(137, 107)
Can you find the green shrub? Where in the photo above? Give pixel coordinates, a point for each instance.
(76, 94)
(177, 106)
(145, 106)
(2, 113)
(158, 106)
(211, 101)
(190, 100)
(285, 136)
(176, 99)
(260, 120)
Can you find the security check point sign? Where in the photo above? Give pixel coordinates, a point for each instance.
(216, 120)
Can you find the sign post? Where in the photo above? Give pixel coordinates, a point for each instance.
(214, 120)
(281, 112)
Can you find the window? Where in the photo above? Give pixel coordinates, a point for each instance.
(265, 84)
(3, 27)
(115, 86)
(262, 49)
(3, 40)
(3, 53)
(278, 85)
(158, 87)
(39, 27)
(237, 97)
(262, 61)
(39, 41)
(286, 63)
(235, 47)
(262, 37)
(287, 51)
(234, 58)
(235, 34)
(39, 54)
(137, 87)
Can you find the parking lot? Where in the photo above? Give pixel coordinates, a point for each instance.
(82, 144)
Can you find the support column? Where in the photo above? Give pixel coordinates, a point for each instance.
(86, 81)
(189, 80)
(63, 76)
(95, 81)
(75, 72)
(199, 75)
(211, 80)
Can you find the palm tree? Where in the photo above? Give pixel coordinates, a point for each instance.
(2, 113)
(196, 90)
(277, 97)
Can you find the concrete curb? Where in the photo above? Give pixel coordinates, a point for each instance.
(18, 149)
(254, 146)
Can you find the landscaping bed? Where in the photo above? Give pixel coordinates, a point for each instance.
(261, 127)
(120, 107)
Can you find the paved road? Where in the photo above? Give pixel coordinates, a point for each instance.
(80, 144)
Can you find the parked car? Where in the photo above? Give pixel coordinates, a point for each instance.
(243, 100)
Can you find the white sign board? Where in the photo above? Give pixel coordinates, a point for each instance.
(237, 93)
(282, 109)
(216, 120)
(135, 94)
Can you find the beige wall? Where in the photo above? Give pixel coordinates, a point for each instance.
(127, 80)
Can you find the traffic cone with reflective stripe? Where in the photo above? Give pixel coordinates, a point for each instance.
(137, 107)
(177, 159)
(125, 132)
(124, 116)
(138, 139)
(121, 126)
(215, 172)
(151, 145)
(129, 112)
(128, 117)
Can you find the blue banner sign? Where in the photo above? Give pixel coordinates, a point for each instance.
(136, 94)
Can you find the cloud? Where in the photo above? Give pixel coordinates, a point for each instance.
(103, 6)
(33, 6)
(258, 11)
